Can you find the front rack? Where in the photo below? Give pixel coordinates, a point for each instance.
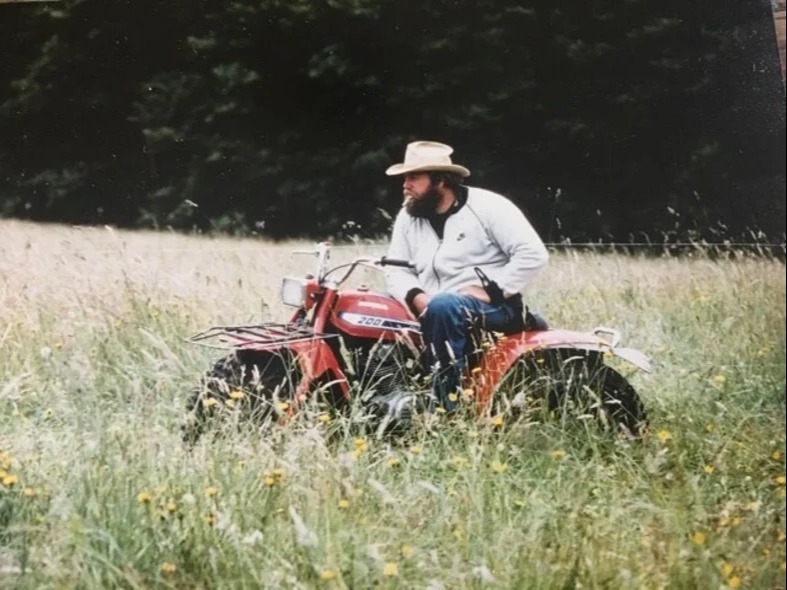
(256, 336)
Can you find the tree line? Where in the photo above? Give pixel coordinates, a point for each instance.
(602, 119)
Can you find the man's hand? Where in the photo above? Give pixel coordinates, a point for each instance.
(419, 303)
(476, 291)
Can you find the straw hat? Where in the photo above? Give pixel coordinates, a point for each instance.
(425, 156)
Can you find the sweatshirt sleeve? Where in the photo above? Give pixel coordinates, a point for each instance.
(518, 240)
(400, 280)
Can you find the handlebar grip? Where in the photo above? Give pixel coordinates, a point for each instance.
(396, 262)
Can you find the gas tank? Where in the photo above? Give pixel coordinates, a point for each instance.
(366, 314)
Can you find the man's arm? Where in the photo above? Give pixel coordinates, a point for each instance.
(514, 234)
(402, 283)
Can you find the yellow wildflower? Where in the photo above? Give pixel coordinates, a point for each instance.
(497, 421)
(168, 568)
(210, 519)
(171, 507)
(726, 569)
(734, 582)
(406, 550)
(209, 402)
(344, 503)
(558, 454)
(498, 467)
(283, 406)
(327, 575)
(664, 435)
(415, 449)
(780, 480)
(271, 478)
(390, 569)
(211, 491)
(28, 492)
(393, 462)
(453, 397)
(458, 461)
(230, 403)
(144, 497)
(360, 444)
(719, 380)
(709, 469)
(237, 394)
(776, 455)
(710, 427)
(324, 418)
(698, 538)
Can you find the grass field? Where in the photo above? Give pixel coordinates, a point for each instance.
(97, 491)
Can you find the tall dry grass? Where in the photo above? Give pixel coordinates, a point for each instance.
(96, 490)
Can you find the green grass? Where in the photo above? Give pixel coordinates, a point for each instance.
(98, 492)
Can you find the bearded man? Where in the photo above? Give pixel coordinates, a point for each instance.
(474, 251)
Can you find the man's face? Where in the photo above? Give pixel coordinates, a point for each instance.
(421, 197)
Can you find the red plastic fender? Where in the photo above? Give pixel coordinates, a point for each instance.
(317, 361)
(500, 357)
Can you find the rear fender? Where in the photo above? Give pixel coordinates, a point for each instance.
(496, 361)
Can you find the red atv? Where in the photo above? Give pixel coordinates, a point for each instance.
(342, 344)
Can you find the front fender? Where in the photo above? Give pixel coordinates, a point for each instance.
(318, 364)
(496, 362)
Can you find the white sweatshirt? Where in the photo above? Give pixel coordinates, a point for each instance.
(488, 232)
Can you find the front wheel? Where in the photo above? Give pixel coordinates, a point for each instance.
(572, 384)
(247, 382)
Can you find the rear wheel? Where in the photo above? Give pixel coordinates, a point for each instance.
(571, 385)
(248, 383)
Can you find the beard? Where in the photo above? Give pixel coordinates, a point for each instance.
(424, 206)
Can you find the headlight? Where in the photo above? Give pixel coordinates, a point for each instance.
(293, 291)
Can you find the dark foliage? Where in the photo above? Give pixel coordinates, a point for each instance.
(603, 120)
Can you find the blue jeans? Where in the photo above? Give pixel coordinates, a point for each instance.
(450, 327)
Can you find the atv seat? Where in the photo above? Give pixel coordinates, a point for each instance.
(535, 322)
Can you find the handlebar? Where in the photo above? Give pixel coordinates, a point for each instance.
(367, 261)
(396, 262)
(322, 252)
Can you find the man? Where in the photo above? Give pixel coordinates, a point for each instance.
(474, 251)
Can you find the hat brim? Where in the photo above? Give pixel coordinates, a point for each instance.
(397, 169)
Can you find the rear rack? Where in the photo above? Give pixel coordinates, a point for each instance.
(256, 335)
